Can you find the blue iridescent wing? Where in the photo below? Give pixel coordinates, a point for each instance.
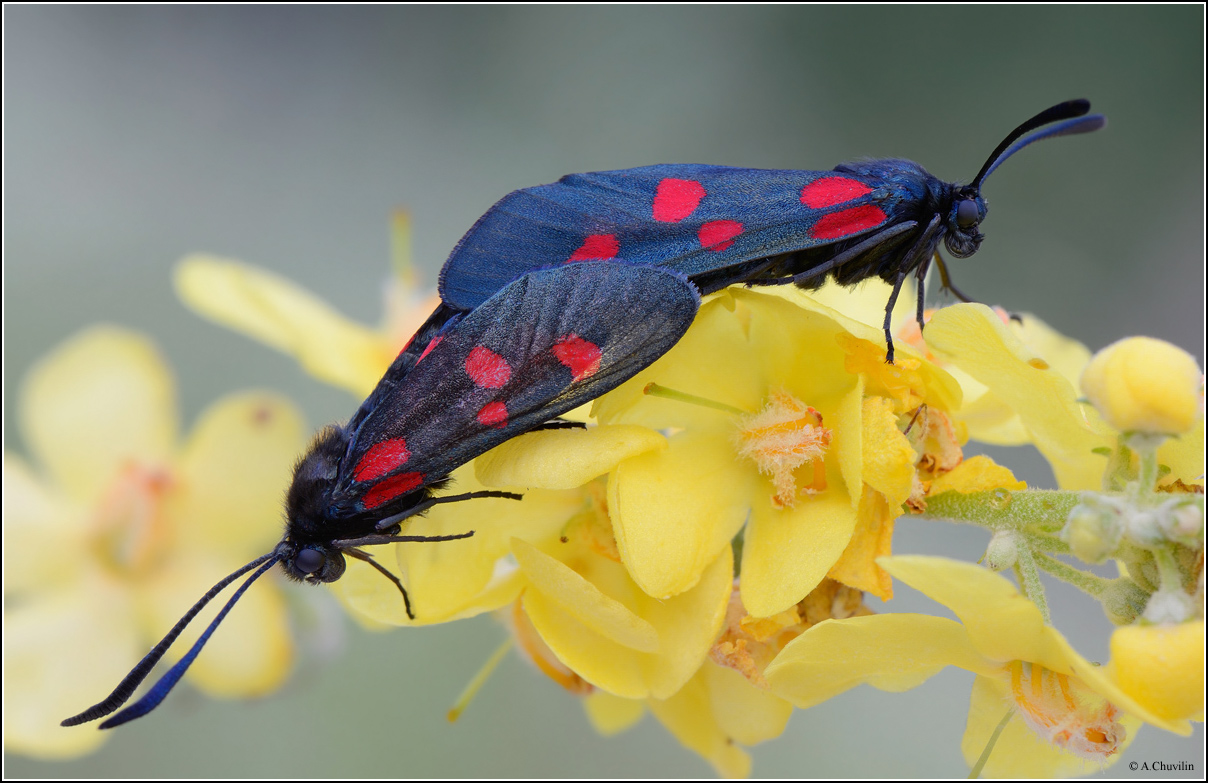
(693, 219)
(546, 343)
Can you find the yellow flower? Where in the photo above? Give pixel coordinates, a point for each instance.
(988, 417)
(784, 455)
(1071, 435)
(119, 529)
(1070, 717)
(1140, 384)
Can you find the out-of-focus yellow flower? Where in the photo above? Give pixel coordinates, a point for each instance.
(1162, 667)
(1144, 385)
(118, 529)
(1083, 716)
(785, 456)
(285, 316)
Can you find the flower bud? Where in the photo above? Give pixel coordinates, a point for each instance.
(1093, 533)
(1144, 385)
(1161, 666)
(1182, 521)
(1169, 606)
(1002, 551)
(1123, 601)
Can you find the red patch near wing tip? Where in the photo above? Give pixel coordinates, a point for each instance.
(381, 459)
(493, 414)
(581, 356)
(388, 489)
(676, 199)
(828, 191)
(487, 368)
(717, 235)
(847, 222)
(597, 247)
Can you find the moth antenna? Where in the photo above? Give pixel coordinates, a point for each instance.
(125, 689)
(161, 689)
(1070, 111)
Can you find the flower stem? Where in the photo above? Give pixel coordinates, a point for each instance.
(990, 743)
(1087, 582)
(479, 679)
(1029, 582)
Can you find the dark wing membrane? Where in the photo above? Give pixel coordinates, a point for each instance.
(693, 219)
(546, 343)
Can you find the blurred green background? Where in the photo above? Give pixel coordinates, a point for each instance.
(285, 137)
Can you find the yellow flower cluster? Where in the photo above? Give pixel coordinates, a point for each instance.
(701, 550)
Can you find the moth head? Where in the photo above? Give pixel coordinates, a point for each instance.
(961, 234)
(312, 562)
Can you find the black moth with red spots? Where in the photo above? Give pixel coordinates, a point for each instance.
(720, 225)
(548, 342)
(562, 292)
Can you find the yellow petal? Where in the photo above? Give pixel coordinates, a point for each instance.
(747, 714)
(39, 521)
(713, 360)
(888, 459)
(1002, 624)
(250, 654)
(1019, 752)
(672, 511)
(850, 439)
(101, 398)
(873, 538)
(610, 714)
(973, 338)
(1162, 667)
(577, 596)
(976, 474)
(62, 653)
(235, 470)
(893, 652)
(285, 316)
(787, 552)
(449, 580)
(564, 459)
(1184, 455)
(688, 715)
(686, 625)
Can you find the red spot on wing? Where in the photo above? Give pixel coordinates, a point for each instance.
(600, 247)
(435, 342)
(828, 191)
(493, 414)
(676, 199)
(388, 489)
(581, 356)
(382, 458)
(487, 368)
(847, 222)
(717, 235)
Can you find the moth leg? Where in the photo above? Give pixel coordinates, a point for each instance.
(898, 280)
(560, 424)
(921, 276)
(946, 283)
(359, 555)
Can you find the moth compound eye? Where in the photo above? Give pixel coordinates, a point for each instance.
(309, 560)
(967, 213)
